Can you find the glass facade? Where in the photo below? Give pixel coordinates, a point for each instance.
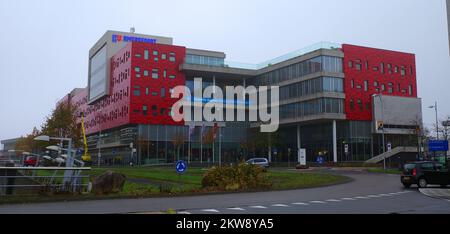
(314, 65)
(313, 86)
(205, 60)
(312, 107)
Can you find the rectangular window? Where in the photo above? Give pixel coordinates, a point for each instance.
(163, 111)
(146, 91)
(382, 68)
(403, 71)
(137, 69)
(165, 73)
(163, 56)
(366, 85)
(172, 77)
(145, 72)
(360, 105)
(352, 84)
(138, 75)
(137, 90)
(396, 69)
(410, 90)
(390, 90)
(155, 110)
(383, 87)
(156, 59)
(358, 66)
(144, 110)
(172, 57)
(154, 94)
(375, 68)
(350, 64)
(155, 74)
(375, 83)
(146, 54)
(138, 55)
(155, 53)
(163, 92)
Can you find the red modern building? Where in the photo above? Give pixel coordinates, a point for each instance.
(336, 101)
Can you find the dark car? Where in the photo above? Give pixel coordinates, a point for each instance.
(424, 174)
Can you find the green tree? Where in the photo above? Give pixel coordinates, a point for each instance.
(63, 123)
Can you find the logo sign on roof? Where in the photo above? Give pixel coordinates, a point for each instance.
(121, 38)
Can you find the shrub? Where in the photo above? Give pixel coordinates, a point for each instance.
(235, 178)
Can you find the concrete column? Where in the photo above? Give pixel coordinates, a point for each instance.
(299, 142)
(335, 159)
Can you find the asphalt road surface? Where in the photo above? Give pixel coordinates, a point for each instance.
(368, 193)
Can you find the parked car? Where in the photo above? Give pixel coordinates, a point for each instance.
(30, 161)
(263, 162)
(424, 174)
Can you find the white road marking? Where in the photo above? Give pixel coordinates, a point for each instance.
(361, 197)
(300, 203)
(280, 205)
(373, 196)
(184, 212)
(317, 202)
(348, 199)
(333, 200)
(385, 195)
(258, 207)
(236, 208)
(211, 210)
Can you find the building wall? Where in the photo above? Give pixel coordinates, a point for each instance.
(160, 86)
(375, 59)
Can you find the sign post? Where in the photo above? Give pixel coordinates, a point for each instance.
(302, 157)
(181, 168)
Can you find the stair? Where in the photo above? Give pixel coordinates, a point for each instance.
(393, 152)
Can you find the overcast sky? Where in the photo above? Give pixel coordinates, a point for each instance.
(44, 44)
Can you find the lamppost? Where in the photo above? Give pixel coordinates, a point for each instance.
(382, 128)
(435, 107)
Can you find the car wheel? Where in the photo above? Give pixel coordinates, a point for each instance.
(407, 185)
(422, 183)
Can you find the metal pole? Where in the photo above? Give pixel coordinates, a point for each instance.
(437, 121)
(382, 132)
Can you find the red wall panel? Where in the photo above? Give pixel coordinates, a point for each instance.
(375, 58)
(155, 85)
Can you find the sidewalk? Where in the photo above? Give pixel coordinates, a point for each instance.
(436, 192)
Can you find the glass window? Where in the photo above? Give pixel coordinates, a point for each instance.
(165, 73)
(375, 83)
(350, 64)
(144, 110)
(163, 92)
(146, 54)
(410, 90)
(146, 91)
(163, 111)
(383, 87)
(403, 71)
(137, 69)
(396, 69)
(163, 56)
(172, 57)
(155, 52)
(155, 74)
(382, 68)
(145, 72)
(154, 94)
(154, 110)
(375, 68)
(366, 85)
(156, 59)
(172, 76)
(138, 55)
(137, 91)
(352, 83)
(360, 105)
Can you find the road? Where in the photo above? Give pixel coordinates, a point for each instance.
(368, 193)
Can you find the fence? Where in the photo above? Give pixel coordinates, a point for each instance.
(35, 180)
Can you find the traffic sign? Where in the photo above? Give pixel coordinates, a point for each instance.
(346, 148)
(438, 146)
(320, 160)
(389, 146)
(302, 157)
(181, 167)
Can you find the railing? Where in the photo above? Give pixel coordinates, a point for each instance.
(35, 180)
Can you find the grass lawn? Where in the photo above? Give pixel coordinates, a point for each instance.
(159, 182)
(387, 171)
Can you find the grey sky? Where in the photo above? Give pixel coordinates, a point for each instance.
(44, 44)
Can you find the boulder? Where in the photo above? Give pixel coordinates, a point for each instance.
(108, 182)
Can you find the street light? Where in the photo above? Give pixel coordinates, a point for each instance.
(435, 107)
(382, 129)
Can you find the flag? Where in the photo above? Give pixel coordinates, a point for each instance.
(215, 130)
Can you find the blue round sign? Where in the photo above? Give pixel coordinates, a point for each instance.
(320, 160)
(181, 167)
